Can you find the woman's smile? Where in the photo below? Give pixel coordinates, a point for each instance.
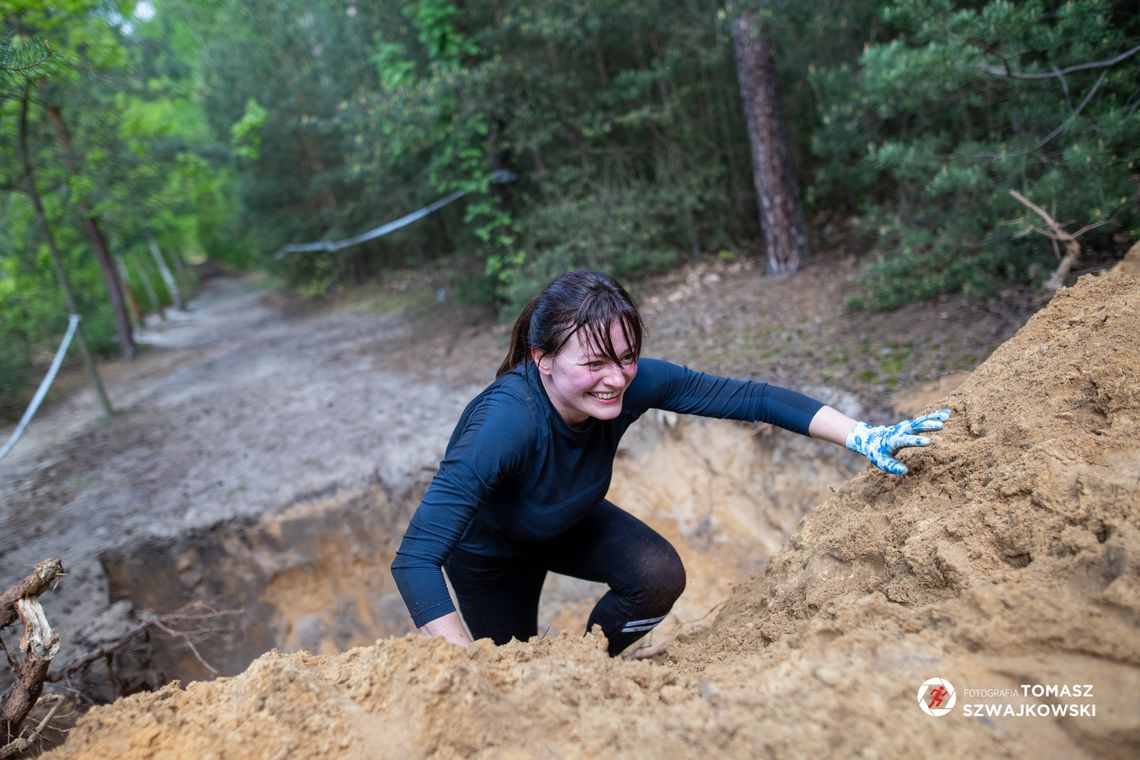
(582, 382)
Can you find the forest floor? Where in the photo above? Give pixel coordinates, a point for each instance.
(254, 405)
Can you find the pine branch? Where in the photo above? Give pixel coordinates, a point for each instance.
(21, 61)
(1006, 72)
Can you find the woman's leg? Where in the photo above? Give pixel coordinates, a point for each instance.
(498, 598)
(642, 569)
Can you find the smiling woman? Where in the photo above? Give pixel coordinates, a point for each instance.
(521, 489)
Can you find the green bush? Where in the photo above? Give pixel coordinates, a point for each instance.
(100, 331)
(931, 134)
(615, 229)
(16, 376)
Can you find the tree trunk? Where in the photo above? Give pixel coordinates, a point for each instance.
(56, 258)
(98, 244)
(777, 193)
(132, 300)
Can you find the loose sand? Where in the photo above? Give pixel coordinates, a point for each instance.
(1010, 555)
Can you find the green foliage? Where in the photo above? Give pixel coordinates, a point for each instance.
(393, 105)
(16, 378)
(229, 128)
(246, 131)
(617, 229)
(22, 57)
(961, 105)
(141, 163)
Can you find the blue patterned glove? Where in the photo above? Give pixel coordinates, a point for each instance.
(879, 444)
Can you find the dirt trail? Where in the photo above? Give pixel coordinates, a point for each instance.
(238, 411)
(1010, 556)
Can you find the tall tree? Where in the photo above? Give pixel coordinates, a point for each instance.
(777, 191)
(98, 242)
(53, 249)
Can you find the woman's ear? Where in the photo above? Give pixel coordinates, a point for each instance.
(541, 360)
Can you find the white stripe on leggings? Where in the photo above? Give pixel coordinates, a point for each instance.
(635, 626)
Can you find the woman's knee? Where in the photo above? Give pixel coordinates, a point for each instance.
(661, 575)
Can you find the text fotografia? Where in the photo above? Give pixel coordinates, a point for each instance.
(1035, 691)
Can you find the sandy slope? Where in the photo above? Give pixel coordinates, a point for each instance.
(1010, 555)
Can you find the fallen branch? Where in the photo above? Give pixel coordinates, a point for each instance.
(1057, 233)
(21, 743)
(34, 585)
(40, 644)
(170, 624)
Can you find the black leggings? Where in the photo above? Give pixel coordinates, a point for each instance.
(498, 598)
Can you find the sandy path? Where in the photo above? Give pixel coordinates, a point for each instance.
(237, 410)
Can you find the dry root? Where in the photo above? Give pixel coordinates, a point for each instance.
(39, 645)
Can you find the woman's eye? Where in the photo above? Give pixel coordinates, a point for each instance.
(596, 365)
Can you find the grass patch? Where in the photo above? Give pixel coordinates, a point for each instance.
(965, 362)
(892, 360)
(391, 302)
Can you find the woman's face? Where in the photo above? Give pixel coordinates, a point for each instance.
(583, 382)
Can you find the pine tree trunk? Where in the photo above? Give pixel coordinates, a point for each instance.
(777, 192)
(98, 244)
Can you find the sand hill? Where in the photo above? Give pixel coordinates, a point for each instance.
(1009, 556)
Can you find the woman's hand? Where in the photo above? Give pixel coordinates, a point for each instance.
(879, 444)
(449, 627)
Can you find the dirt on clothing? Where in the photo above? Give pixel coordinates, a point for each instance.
(1007, 561)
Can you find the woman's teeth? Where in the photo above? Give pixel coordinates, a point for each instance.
(605, 396)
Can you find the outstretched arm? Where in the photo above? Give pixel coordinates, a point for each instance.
(878, 443)
(663, 385)
(831, 425)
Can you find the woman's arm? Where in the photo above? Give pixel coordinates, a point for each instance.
(831, 425)
(448, 627)
(663, 385)
(878, 444)
(669, 386)
(489, 444)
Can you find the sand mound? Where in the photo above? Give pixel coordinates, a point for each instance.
(1010, 556)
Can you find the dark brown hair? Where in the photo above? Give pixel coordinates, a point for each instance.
(587, 300)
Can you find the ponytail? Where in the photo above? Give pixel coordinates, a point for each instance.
(520, 339)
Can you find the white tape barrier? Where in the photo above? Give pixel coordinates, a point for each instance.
(500, 176)
(73, 323)
(403, 221)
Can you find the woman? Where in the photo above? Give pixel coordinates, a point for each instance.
(521, 489)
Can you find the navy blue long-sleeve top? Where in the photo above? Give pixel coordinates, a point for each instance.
(516, 474)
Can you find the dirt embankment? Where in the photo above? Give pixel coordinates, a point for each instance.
(1010, 555)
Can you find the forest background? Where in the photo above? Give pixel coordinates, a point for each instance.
(136, 137)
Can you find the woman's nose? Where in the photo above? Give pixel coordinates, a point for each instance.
(617, 375)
